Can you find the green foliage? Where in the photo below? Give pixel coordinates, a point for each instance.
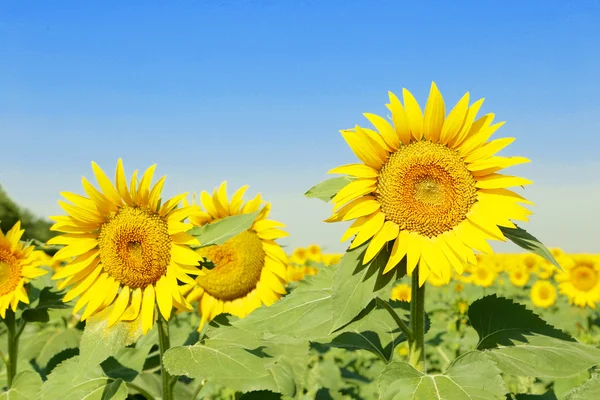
(588, 391)
(525, 240)
(26, 386)
(355, 284)
(41, 302)
(471, 376)
(329, 188)
(220, 231)
(69, 381)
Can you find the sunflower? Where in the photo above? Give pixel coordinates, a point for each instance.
(299, 256)
(296, 273)
(314, 253)
(483, 276)
(401, 292)
(18, 265)
(531, 262)
(331, 259)
(518, 276)
(429, 183)
(543, 294)
(580, 280)
(129, 250)
(249, 269)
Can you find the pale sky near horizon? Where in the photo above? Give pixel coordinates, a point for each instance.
(255, 92)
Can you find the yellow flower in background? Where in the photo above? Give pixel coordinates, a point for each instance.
(297, 273)
(429, 183)
(483, 276)
(331, 259)
(299, 256)
(463, 307)
(128, 249)
(531, 262)
(459, 287)
(314, 253)
(580, 280)
(545, 270)
(401, 292)
(436, 281)
(250, 269)
(19, 264)
(543, 294)
(518, 276)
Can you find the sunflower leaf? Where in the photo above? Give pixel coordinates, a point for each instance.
(355, 284)
(525, 240)
(590, 390)
(400, 381)
(523, 344)
(26, 385)
(326, 190)
(68, 381)
(220, 231)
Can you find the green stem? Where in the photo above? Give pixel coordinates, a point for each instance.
(198, 389)
(417, 324)
(399, 322)
(140, 390)
(164, 343)
(13, 345)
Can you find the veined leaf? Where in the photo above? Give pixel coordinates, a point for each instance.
(326, 190)
(69, 381)
(471, 376)
(588, 391)
(305, 313)
(25, 386)
(220, 231)
(355, 284)
(523, 239)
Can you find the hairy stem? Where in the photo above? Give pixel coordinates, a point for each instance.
(164, 343)
(417, 324)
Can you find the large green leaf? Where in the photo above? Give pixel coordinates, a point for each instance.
(45, 299)
(588, 391)
(501, 321)
(549, 395)
(238, 360)
(305, 313)
(220, 231)
(545, 357)
(69, 381)
(59, 340)
(25, 386)
(99, 341)
(326, 190)
(525, 240)
(355, 284)
(472, 376)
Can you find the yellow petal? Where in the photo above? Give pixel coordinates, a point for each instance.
(357, 170)
(133, 188)
(164, 297)
(414, 114)
(466, 128)
(119, 307)
(389, 231)
(106, 185)
(399, 118)
(482, 131)
(354, 189)
(121, 181)
(363, 148)
(435, 112)
(148, 308)
(398, 251)
(369, 229)
(455, 120)
(488, 149)
(236, 200)
(413, 253)
(154, 197)
(143, 193)
(132, 312)
(387, 131)
(499, 181)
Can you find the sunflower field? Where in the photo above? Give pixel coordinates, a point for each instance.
(137, 296)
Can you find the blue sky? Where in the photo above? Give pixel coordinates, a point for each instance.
(256, 91)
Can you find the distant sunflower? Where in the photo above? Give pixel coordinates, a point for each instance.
(129, 249)
(299, 256)
(429, 183)
(18, 265)
(580, 280)
(518, 276)
(314, 253)
(483, 276)
(401, 292)
(249, 269)
(543, 294)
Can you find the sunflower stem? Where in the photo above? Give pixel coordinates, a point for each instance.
(399, 322)
(417, 324)
(13, 345)
(164, 344)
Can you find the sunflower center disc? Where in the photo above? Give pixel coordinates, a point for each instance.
(135, 247)
(238, 265)
(10, 272)
(544, 293)
(426, 188)
(584, 278)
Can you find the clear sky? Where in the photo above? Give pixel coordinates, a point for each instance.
(255, 92)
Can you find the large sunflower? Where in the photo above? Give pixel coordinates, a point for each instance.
(429, 183)
(18, 265)
(129, 249)
(249, 269)
(580, 280)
